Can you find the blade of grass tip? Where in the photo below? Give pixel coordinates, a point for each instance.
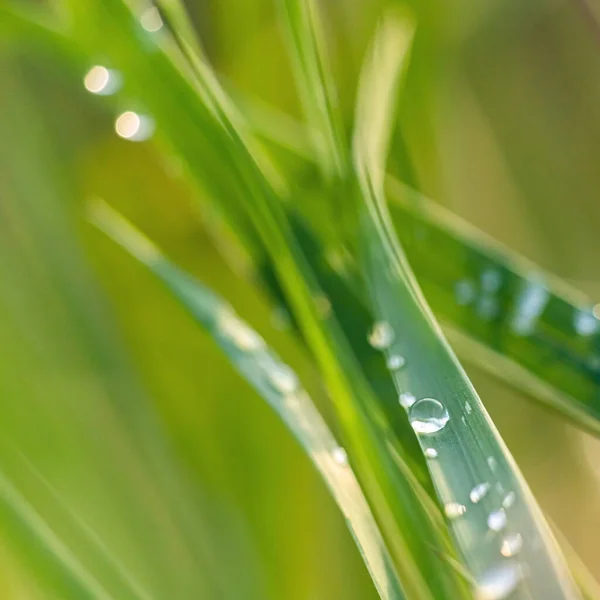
(315, 85)
(499, 529)
(414, 538)
(275, 382)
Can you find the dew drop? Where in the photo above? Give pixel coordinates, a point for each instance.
(340, 456)
(509, 500)
(468, 408)
(496, 520)
(491, 280)
(498, 582)
(488, 307)
(511, 545)
(134, 127)
(479, 492)
(283, 378)
(406, 399)
(585, 322)
(454, 510)
(428, 415)
(381, 336)
(430, 453)
(102, 81)
(492, 464)
(244, 337)
(151, 20)
(464, 291)
(395, 362)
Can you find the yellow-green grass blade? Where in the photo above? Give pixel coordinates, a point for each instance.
(499, 529)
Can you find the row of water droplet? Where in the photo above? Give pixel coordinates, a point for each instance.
(429, 416)
(100, 80)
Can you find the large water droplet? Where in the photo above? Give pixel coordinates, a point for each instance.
(395, 362)
(406, 399)
(498, 582)
(496, 520)
(428, 415)
(134, 127)
(454, 510)
(381, 336)
(509, 500)
(430, 453)
(102, 81)
(340, 456)
(479, 492)
(511, 545)
(585, 322)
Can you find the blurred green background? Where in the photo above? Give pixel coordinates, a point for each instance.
(118, 414)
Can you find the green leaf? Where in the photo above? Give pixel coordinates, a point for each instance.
(502, 536)
(275, 382)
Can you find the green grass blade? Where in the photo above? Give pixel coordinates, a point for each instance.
(276, 383)
(315, 84)
(504, 541)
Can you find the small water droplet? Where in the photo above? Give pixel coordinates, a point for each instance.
(102, 81)
(492, 464)
(464, 291)
(509, 500)
(468, 408)
(496, 520)
(498, 582)
(395, 362)
(491, 280)
(381, 336)
(454, 510)
(488, 307)
(530, 304)
(134, 127)
(242, 335)
(428, 415)
(585, 322)
(406, 399)
(283, 378)
(340, 456)
(478, 492)
(430, 453)
(151, 20)
(511, 545)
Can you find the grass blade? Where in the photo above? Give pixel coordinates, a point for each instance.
(276, 383)
(502, 536)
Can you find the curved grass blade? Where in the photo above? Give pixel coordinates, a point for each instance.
(503, 538)
(276, 383)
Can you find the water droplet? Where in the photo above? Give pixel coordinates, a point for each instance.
(430, 453)
(102, 81)
(464, 291)
(428, 415)
(531, 302)
(585, 322)
(134, 127)
(395, 362)
(242, 335)
(491, 280)
(509, 500)
(283, 378)
(479, 492)
(498, 582)
(468, 408)
(496, 520)
(487, 307)
(406, 399)
(492, 464)
(454, 510)
(381, 336)
(340, 456)
(151, 20)
(511, 545)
